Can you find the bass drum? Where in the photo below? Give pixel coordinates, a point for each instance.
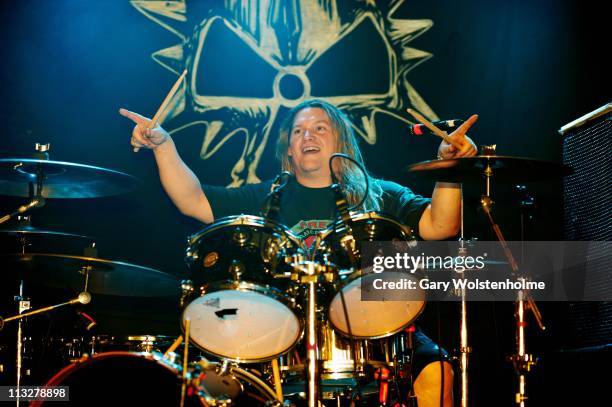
(127, 378)
(239, 311)
(368, 319)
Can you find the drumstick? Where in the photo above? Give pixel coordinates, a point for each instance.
(434, 129)
(164, 104)
(185, 362)
(277, 380)
(173, 347)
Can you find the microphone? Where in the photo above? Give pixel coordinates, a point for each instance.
(343, 229)
(271, 210)
(420, 129)
(84, 298)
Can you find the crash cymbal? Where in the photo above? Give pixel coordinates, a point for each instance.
(502, 169)
(106, 277)
(61, 179)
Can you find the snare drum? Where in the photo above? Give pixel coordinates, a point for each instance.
(238, 310)
(368, 319)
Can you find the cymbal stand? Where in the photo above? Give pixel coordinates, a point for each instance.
(23, 305)
(83, 298)
(522, 361)
(36, 190)
(464, 348)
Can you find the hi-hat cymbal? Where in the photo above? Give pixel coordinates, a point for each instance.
(106, 277)
(25, 238)
(61, 179)
(31, 231)
(503, 169)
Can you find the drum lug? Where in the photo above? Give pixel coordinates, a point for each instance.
(236, 269)
(240, 236)
(370, 229)
(224, 368)
(271, 248)
(186, 287)
(186, 291)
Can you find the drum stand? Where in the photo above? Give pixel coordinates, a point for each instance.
(311, 273)
(522, 361)
(402, 370)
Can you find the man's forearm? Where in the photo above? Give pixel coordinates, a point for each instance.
(181, 184)
(446, 209)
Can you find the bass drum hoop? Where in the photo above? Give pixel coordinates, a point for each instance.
(73, 368)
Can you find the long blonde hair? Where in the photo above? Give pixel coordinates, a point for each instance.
(349, 175)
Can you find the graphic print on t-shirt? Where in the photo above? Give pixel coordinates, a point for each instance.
(306, 230)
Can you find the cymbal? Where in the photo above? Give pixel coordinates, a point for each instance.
(106, 277)
(31, 231)
(61, 179)
(25, 238)
(504, 169)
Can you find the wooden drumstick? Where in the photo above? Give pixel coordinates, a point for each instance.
(173, 347)
(185, 363)
(434, 129)
(165, 104)
(277, 380)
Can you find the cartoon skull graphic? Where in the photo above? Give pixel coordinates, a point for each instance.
(278, 53)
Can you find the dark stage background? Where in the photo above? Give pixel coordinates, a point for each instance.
(526, 68)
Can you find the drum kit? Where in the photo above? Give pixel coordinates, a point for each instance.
(264, 320)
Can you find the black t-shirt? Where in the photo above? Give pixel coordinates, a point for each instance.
(308, 210)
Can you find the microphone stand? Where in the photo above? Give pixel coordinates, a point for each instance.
(83, 298)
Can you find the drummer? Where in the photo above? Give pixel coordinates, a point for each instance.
(311, 132)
